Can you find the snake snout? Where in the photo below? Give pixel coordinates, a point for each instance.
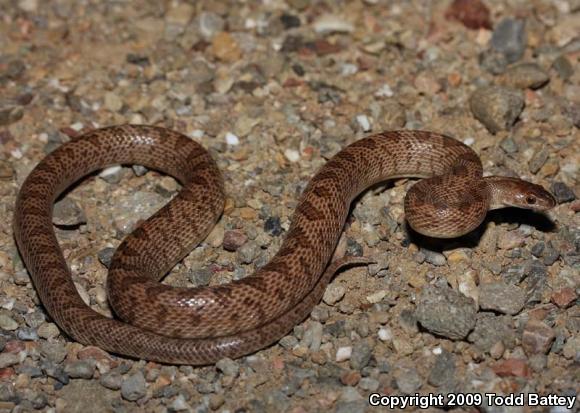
(534, 197)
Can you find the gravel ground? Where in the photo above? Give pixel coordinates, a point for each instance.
(273, 89)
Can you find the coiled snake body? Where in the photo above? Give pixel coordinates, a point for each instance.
(202, 325)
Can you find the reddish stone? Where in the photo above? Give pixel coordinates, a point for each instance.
(233, 240)
(537, 337)
(321, 47)
(6, 373)
(292, 82)
(14, 346)
(512, 367)
(278, 363)
(538, 313)
(350, 378)
(92, 352)
(70, 132)
(564, 297)
(474, 14)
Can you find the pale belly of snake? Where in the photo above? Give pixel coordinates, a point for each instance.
(202, 325)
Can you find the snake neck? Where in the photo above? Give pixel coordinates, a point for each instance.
(514, 192)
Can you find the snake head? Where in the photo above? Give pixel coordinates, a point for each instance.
(514, 192)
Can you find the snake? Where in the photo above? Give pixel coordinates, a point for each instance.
(202, 325)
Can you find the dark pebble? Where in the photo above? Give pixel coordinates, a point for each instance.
(27, 334)
(509, 38)
(105, 256)
(56, 372)
(353, 248)
(273, 226)
(445, 312)
(490, 329)
(37, 399)
(443, 371)
(563, 67)
(298, 69)
(80, 369)
(14, 69)
(509, 145)
(514, 274)
(538, 249)
(137, 59)
(200, 276)
(361, 355)
(336, 329)
(290, 21)
(32, 371)
(562, 192)
(493, 62)
(139, 170)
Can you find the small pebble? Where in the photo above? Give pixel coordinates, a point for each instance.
(525, 76)
(68, 213)
(179, 404)
(408, 380)
(7, 323)
(200, 277)
(232, 139)
(331, 23)
(111, 380)
(385, 334)
(82, 369)
(445, 312)
(9, 359)
(511, 367)
(361, 355)
(443, 370)
(333, 294)
(134, 387)
(537, 337)
(496, 107)
(233, 240)
(292, 155)
(363, 122)
(228, 366)
(433, 257)
(509, 38)
(343, 353)
(501, 297)
(562, 192)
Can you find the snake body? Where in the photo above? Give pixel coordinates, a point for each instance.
(202, 325)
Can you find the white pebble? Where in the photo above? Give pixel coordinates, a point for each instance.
(385, 334)
(348, 69)
(16, 153)
(437, 351)
(110, 171)
(364, 122)
(197, 134)
(292, 155)
(78, 126)
(232, 139)
(330, 23)
(343, 353)
(136, 119)
(376, 297)
(469, 141)
(7, 303)
(384, 91)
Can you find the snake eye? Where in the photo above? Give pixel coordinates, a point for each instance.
(531, 200)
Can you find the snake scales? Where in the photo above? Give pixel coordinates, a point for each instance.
(202, 325)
